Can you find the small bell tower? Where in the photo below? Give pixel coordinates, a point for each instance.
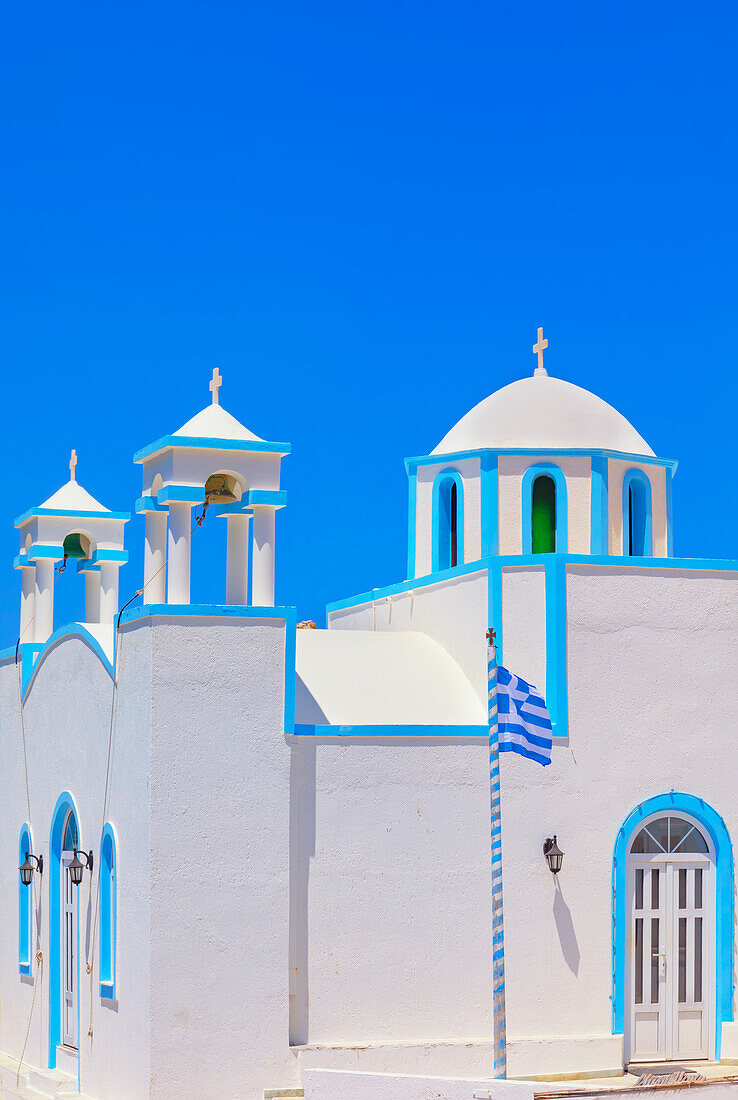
(214, 464)
(70, 526)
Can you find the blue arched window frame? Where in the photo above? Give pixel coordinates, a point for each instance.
(441, 534)
(677, 803)
(545, 469)
(25, 906)
(108, 913)
(643, 481)
(64, 806)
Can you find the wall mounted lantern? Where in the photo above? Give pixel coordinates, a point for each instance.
(554, 855)
(76, 867)
(27, 868)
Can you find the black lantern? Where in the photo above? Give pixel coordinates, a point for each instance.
(76, 867)
(553, 854)
(27, 868)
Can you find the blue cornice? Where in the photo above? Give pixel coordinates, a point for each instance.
(68, 513)
(204, 443)
(392, 731)
(544, 452)
(611, 561)
(208, 610)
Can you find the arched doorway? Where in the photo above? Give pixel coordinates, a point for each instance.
(670, 955)
(63, 933)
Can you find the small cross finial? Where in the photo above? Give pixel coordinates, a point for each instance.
(72, 466)
(538, 349)
(215, 385)
(491, 636)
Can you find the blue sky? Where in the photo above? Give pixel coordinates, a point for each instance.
(360, 213)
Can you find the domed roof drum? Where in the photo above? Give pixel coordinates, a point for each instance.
(543, 413)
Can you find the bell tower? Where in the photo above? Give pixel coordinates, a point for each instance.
(215, 465)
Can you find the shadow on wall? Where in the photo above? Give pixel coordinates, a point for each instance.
(565, 929)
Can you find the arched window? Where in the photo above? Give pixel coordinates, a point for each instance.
(448, 521)
(108, 913)
(543, 515)
(637, 537)
(70, 839)
(25, 907)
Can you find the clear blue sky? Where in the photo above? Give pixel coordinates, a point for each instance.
(360, 212)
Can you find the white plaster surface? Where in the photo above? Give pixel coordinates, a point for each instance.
(352, 677)
(338, 1085)
(616, 471)
(73, 496)
(543, 412)
(213, 422)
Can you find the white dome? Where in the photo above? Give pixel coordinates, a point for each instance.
(543, 413)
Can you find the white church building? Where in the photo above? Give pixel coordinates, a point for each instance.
(281, 835)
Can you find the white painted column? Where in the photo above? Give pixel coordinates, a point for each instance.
(44, 599)
(28, 602)
(237, 569)
(92, 596)
(262, 591)
(180, 528)
(155, 550)
(108, 591)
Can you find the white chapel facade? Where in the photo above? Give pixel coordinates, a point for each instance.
(251, 886)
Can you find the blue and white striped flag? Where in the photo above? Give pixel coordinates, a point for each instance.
(524, 722)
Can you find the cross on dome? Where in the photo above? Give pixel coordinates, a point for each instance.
(538, 349)
(73, 466)
(215, 384)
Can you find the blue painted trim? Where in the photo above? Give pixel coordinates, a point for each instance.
(643, 479)
(437, 534)
(490, 482)
(600, 507)
(669, 514)
(391, 731)
(38, 653)
(148, 504)
(25, 907)
(64, 804)
(494, 604)
(274, 498)
(119, 556)
(46, 550)
(71, 513)
(178, 442)
(544, 452)
(108, 886)
(614, 561)
(545, 469)
(21, 561)
(412, 521)
(557, 687)
(411, 585)
(85, 565)
(238, 508)
(677, 802)
(185, 494)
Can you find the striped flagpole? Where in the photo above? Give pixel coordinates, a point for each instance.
(498, 929)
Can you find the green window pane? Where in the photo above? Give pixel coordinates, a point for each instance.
(543, 525)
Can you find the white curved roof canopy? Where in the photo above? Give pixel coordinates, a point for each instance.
(546, 413)
(363, 678)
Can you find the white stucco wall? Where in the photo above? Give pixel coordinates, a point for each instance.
(469, 468)
(577, 471)
(390, 890)
(219, 860)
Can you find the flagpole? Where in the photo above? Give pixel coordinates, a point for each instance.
(499, 1027)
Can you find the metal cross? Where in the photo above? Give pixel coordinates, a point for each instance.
(491, 636)
(72, 465)
(215, 385)
(538, 349)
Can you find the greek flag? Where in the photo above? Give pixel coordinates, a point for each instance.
(524, 722)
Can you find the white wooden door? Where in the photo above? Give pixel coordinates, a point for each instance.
(671, 953)
(69, 955)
